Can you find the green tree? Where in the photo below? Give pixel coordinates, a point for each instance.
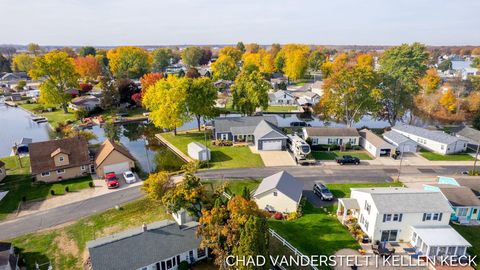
(188, 195)
(59, 73)
(191, 56)
(22, 62)
(166, 101)
(250, 90)
(445, 65)
(112, 131)
(476, 121)
(110, 98)
(225, 68)
(4, 64)
(87, 50)
(401, 67)
(34, 49)
(21, 85)
(476, 62)
(161, 59)
(156, 185)
(201, 96)
(253, 241)
(129, 61)
(316, 60)
(240, 46)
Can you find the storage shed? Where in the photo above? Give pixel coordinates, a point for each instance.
(198, 151)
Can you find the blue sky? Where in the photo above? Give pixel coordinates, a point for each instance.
(159, 22)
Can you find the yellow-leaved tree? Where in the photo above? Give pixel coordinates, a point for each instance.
(262, 59)
(449, 100)
(295, 60)
(129, 61)
(430, 81)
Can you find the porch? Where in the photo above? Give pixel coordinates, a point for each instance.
(347, 208)
(439, 242)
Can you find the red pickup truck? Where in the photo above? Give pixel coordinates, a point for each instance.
(112, 180)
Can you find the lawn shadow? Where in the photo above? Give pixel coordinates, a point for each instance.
(29, 259)
(219, 156)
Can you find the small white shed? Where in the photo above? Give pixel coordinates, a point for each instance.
(198, 151)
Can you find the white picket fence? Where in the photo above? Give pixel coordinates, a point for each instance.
(295, 251)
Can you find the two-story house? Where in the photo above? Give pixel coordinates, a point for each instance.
(405, 215)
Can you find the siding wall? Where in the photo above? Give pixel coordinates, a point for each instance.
(280, 203)
(68, 174)
(438, 147)
(114, 158)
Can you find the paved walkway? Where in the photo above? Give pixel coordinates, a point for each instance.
(274, 158)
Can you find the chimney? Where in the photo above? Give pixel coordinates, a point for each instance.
(144, 227)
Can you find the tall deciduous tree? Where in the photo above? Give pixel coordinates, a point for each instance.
(22, 62)
(253, 241)
(250, 90)
(166, 101)
(448, 100)
(129, 61)
(252, 48)
(400, 68)
(240, 46)
(295, 60)
(188, 195)
(149, 79)
(431, 81)
(262, 59)
(206, 56)
(34, 49)
(59, 73)
(161, 59)
(225, 68)
(87, 50)
(110, 98)
(316, 59)
(233, 52)
(156, 185)
(201, 96)
(5, 64)
(88, 67)
(191, 56)
(445, 65)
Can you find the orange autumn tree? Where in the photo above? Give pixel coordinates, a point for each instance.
(431, 81)
(87, 67)
(150, 79)
(449, 100)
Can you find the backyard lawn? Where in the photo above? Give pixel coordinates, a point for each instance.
(54, 117)
(323, 155)
(280, 108)
(235, 186)
(222, 156)
(19, 184)
(472, 235)
(65, 247)
(438, 157)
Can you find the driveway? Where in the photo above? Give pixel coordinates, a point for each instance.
(276, 158)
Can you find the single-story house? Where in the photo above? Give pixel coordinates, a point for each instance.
(416, 216)
(335, 136)
(8, 258)
(86, 103)
(281, 97)
(375, 145)
(403, 144)
(433, 140)
(112, 157)
(280, 192)
(306, 98)
(464, 202)
(471, 135)
(260, 130)
(317, 88)
(61, 159)
(3, 171)
(160, 245)
(198, 151)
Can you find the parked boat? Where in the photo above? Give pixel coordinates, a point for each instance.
(11, 103)
(39, 119)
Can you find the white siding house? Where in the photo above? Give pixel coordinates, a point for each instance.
(433, 140)
(335, 136)
(375, 145)
(281, 97)
(280, 192)
(403, 144)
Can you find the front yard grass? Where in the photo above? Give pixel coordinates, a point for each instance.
(324, 155)
(452, 157)
(19, 184)
(222, 156)
(54, 118)
(472, 235)
(235, 186)
(65, 247)
(280, 108)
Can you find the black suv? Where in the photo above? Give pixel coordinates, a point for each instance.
(347, 160)
(322, 191)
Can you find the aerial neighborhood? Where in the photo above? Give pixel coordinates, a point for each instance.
(192, 156)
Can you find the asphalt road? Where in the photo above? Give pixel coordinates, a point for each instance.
(340, 174)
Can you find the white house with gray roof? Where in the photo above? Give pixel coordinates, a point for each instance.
(158, 246)
(281, 97)
(280, 192)
(403, 144)
(402, 214)
(433, 140)
(259, 130)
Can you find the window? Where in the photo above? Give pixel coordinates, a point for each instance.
(387, 217)
(366, 225)
(61, 171)
(396, 217)
(442, 147)
(275, 193)
(83, 167)
(428, 216)
(315, 141)
(60, 158)
(435, 216)
(451, 251)
(200, 253)
(224, 136)
(45, 174)
(353, 141)
(460, 251)
(432, 216)
(462, 212)
(367, 207)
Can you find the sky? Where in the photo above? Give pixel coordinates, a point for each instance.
(208, 22)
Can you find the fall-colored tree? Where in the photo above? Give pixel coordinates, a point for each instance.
(431, 81)
(69, 51)
(233, 52)
(126, 89)
(275, 49)
(191, 56)
(34, 49)
(250, 90)
(475, 62)
(192, 73)
(129, 61)
(296, 60)
(252, 48)
(338, 63)
(449, 100)
(156, 185)
(262, 59)
(166, 101)
(87, 50)
(206, 56)
(473, 102)
(225, 68)
(240, 46)
(188, 195)
(476, 51)
(201, 96)
(365, 59)
(137, 98)
(149, 79)
(22, 62)
(58, 70)
(73, 132)
(161, 59)
(88, 67)
(85, 87)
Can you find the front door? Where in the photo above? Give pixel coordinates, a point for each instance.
(389, 236)
(474, 214)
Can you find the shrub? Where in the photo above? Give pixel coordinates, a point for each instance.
(90, 184)
(473, 173)
(67, 189)
(278, 216)
(183, 265)
(52, 192)
(222, 143)
(292, 216)
(24, 198)
(79, 114)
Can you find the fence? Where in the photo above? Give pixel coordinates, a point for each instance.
(295, 251)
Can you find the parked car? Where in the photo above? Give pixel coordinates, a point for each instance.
(129, 177)
(112, 180)
(347, 160)
(322, 191)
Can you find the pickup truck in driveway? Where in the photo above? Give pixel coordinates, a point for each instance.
(347, 160)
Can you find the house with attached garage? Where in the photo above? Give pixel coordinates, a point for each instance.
(401, 142)
(332, 136)
(86, 103)
(433, 140)
(59, 159)
(262, 131)
(161, 245)
(281, 97)
(280, 192)
(395, 214)
(112, 157)
(375, 145)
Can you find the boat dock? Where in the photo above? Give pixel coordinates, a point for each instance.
(173, 148)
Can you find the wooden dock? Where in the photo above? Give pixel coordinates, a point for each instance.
(174, 149)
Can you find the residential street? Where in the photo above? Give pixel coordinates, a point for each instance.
(340, 174)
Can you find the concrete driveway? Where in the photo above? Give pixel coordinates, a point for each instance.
(275, 158)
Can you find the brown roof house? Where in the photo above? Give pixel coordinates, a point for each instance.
(112, 157)
(3, 171)
(59, 159)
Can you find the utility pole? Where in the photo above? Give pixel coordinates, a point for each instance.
(476, 158)
(400, 167)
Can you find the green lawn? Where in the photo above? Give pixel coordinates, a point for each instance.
(323, 155)
(438, 157)
(66, 247)
(235, 186)
(472, 235)
(19, 184)
(222, 156)
(280, 108)
(343, 190)
(54, 117)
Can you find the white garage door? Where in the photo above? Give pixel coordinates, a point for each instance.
(116, 168)
(272, 145)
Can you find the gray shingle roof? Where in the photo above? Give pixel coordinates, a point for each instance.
(266, 130)
(327, 131)
(469, 133)
(434, 135)
(407, 200)
(459, 196)
(135, 248)
(284, 183)
(395, 137)
(241, 124)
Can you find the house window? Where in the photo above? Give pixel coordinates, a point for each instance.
(396, 217)
(353, 140)
(435, 216)
(61, 171)
(44, 174)
(462, 212)
(367, 207)
(442, 147)
(366, 225)
(60, 158)
(200, 253)
(387, 217)
(315, 141)
(83, 167)
(428, 216)
(275, 193)
(224, 136)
